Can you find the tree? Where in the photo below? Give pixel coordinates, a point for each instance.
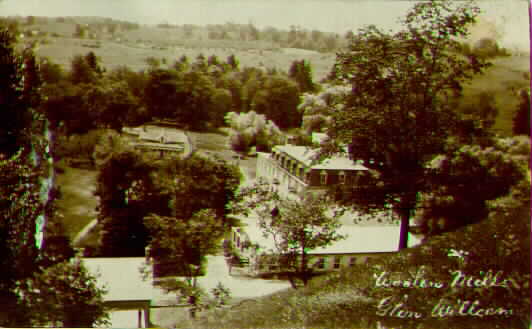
(232, 62)
(214, 179)
(278, 100)
(64, 294)
(301, 72)
(316, 108)
(481, 111)
(498, 245)
(161, 85)
(127, 193)
(93, 62)
(109, 103)
(521, 122)
(66, 109)
(26, 202)
(400, 114)
(84, 69)
(465, 181)
(50, 72)
(295, 226)
(197, 108)
(252, 130)
(20, 204)
(184, 243)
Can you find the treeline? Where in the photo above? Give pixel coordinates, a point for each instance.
(295, 37)
(195, 93)
(97, 28)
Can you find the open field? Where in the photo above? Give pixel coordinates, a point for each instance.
(77, 204)
(217, 144)
(114, 54)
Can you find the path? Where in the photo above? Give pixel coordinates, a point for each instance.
(84, 232)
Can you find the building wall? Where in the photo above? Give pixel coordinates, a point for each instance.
(300, 180)
(262, 262)
(266, 263)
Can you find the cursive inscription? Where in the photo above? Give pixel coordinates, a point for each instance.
(383, 280)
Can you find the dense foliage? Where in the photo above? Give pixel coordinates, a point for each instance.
(400, 112)
(130, 188)
(33, 270)
(184, 243)
(127, 192)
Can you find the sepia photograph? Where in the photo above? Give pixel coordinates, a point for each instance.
(265, 164)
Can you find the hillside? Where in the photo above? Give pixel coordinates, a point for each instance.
(123, 43)
(342, 299)
(116, 53)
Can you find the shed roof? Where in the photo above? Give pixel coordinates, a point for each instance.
(121, 277)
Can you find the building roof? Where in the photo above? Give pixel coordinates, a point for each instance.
(121, 277)
(359, 239)
(366, 239)
(150, 133)
(307, 155)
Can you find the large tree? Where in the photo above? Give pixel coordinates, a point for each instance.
(184, 244)
(197, 183)
(26, 179)
(127, 192)
(400, 113)
(278, 99)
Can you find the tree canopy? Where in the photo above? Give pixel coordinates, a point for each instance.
(127, 192)
(400, 113)
(37, 280)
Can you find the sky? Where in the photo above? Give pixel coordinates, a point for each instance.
(508, 17)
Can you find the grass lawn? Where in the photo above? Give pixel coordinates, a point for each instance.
(217, 144)
(118, 53)
(77, 204)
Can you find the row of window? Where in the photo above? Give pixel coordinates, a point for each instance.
(298, 170)
(321, 263)
(337, 261)
(294, 167)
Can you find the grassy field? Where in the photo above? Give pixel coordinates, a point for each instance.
(77, 204)
(132, 47)
(117, 53)
(217, 144)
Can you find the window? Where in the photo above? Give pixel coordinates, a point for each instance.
(321, 263)
(352, 261)
(337, 261)
(306, 175)
(323, 177)
(341, 177)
